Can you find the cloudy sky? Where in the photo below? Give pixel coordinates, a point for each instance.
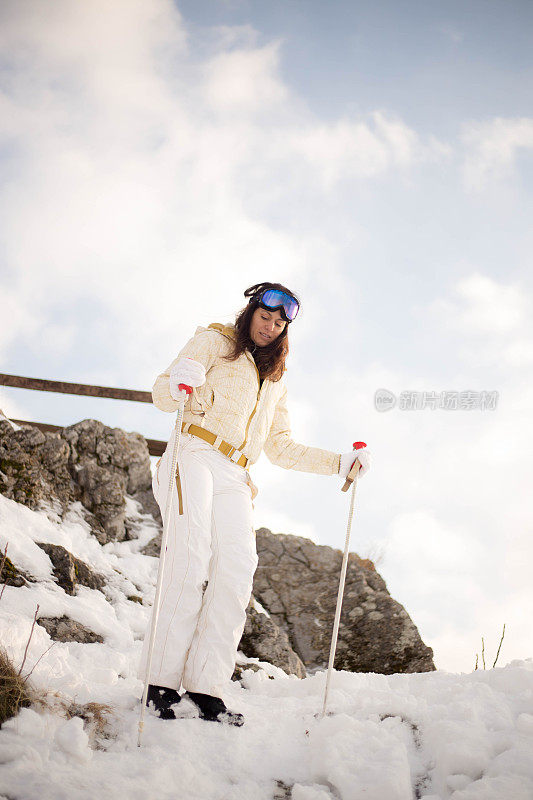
(157, 158)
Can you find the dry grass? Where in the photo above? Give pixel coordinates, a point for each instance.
(15, 692)
(96, 716)
(375, 555)
(483, 651)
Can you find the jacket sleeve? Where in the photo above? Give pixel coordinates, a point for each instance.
(282, 450)
(203, 347)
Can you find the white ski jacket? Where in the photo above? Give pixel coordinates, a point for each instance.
(232, 404)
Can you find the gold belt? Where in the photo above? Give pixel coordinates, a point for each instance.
(224, 447)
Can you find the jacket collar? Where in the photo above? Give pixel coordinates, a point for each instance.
(225, 330)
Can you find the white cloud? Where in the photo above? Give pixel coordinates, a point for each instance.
(495, 316)
(278, 522)
(19, 319)
(486, 306)
(246, 80)
(11, 408)
(492, 148)
(519, 353)
(364, 148)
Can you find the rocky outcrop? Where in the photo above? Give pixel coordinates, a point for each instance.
(107, 463)
(88, 462)
(69, 570)
(64, 629)
(265, 640)
(12, 575)
(297, 581)
(34, 466)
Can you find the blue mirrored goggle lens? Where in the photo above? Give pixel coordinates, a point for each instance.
(274, 298)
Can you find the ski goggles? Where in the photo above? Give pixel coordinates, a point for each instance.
(274, 299)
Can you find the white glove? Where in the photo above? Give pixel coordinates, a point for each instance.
(187, 371)
(364, 457)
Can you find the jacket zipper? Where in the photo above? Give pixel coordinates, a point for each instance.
(255, 407)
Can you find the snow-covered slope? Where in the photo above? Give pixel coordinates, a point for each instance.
(424, 735)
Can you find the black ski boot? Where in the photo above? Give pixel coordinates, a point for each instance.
(162, 698)
(214, 709)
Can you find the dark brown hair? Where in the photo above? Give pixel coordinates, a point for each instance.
(270, 359)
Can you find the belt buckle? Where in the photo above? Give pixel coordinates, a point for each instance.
(235, 460)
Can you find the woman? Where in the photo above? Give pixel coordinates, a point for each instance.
(237, 409)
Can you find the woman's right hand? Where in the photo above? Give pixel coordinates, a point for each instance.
(187, 371)
(348, 459)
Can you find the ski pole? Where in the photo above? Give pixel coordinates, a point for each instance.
(184, 391)
(351, 480)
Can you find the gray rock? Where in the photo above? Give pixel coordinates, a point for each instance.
(108, 463)
(297, 581)
(12, 575)
(34, 466)
(153, 548)
(148, 504)
(240, 669)
(103, 495)
(265, 640)
(64, 629)
(69, 570)
(86, 462)
(124, 454)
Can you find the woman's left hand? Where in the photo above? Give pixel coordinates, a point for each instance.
(364, 457)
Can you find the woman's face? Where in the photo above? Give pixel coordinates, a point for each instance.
(265, 326)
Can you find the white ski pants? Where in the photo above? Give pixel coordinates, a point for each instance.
(211, 538)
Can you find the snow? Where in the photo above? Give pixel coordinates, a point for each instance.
(258, 607)
(13, 424)
(466, 736)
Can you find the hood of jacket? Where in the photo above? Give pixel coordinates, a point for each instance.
(226, 330)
